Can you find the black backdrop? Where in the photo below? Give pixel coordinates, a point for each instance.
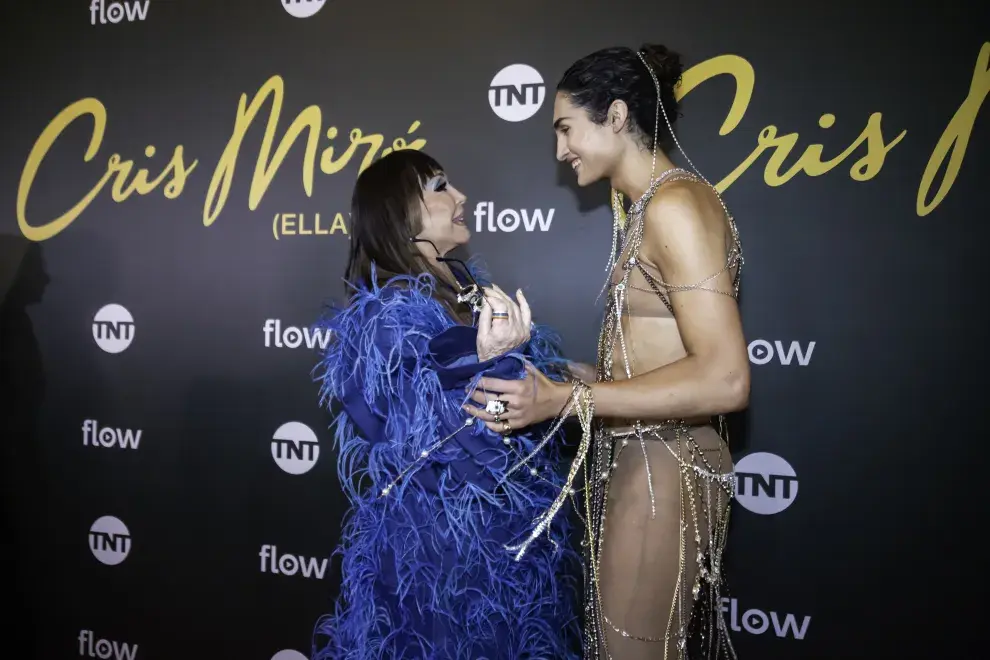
(168, 473)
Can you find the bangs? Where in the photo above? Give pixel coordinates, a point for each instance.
(423, 168)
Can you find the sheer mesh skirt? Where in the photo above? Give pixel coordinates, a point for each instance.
(659, 564)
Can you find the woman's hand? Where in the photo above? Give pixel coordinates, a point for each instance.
(502, 324)
(533, 399)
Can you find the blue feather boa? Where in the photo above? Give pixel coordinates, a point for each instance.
(425, 569)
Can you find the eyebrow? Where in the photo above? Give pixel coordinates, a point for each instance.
(556, 124)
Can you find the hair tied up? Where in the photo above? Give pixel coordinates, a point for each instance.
(623, 73)
(666, 64)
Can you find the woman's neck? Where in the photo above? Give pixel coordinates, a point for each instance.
(635, 171)
(448, 275)
(430, 256)
(443, 272)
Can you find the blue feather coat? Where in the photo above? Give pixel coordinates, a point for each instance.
(426, 572)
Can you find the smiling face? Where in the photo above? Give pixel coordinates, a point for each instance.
(591, 149)
(442, 215)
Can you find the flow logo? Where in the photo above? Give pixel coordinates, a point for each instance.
(757, 622)
(303, 8)
(94, 436)
(113, 328)
(292, 337)
(90, 647)
(765, 483)
(516, 92)
(510, 219)
(289, 655)
(762, 352)
(295, 448)
(272, 562)
(115, 12)
(109, 540)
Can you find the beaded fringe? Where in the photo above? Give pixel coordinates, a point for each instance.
(700, 486)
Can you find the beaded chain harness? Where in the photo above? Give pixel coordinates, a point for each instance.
(698, 476)
(700, 482)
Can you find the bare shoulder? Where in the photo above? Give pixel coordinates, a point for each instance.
(685, 223)
(685, 205)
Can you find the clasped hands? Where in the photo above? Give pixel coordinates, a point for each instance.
(503, 325)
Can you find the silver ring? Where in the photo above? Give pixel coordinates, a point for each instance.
(496, 407)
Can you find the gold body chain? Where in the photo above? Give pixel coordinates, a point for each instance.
(601, 446)
(696, 473)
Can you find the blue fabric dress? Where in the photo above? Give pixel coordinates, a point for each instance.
(426, 569)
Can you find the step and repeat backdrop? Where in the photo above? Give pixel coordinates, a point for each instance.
(175, 179)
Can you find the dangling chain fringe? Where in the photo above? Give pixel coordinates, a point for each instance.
(698, 480)
(582, 399)
(597, 454)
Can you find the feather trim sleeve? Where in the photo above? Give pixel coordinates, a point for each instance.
(425, 570)
(401, 369)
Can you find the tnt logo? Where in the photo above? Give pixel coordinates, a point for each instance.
(289, 655)
(303, 8)
(109, 540)
(762, 352)
(295, 448)
(516, 92)
(765, 483)
(90, 647)
(113, 328)
(115, 12)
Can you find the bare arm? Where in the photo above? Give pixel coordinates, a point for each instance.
(685, 236)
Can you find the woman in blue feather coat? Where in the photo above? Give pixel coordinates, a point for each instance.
(438, 555)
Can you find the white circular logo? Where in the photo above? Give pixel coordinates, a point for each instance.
(113, 328)
(303, 8)
(289, 655)
(760, 351)
(516, 92)
(115, 13)
(295, 448)
(765, 483)
(109, 540)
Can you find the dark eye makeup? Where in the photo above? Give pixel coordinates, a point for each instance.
(437, 183)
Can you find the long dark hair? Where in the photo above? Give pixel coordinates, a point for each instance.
(385, 217)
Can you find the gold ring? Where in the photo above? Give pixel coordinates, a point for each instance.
(505, 427)
(500, 315)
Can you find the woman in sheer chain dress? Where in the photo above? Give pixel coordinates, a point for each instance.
(672, 362)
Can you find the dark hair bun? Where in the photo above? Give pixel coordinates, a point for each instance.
(666, 64)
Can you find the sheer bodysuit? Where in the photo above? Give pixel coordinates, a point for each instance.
(663, 486)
